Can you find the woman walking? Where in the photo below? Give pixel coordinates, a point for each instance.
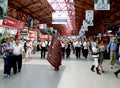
(54, 56)
(7, 56)
(95, 54)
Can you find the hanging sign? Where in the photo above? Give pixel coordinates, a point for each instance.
(3, 9)
(85, 25)
(102, 4)
(89, 17)
(30, 22)
(11, 22)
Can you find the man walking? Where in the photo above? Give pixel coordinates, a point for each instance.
(18, 52)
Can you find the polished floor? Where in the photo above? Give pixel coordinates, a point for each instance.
(74, 73)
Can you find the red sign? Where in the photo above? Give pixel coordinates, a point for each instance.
(18, 34)
(31, 31)
(66, 32)
(11, 22)
(34, 36)
(45, 37)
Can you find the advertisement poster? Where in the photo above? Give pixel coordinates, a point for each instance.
(44, 29)
(89, 17)
(3, 9)
(30, 22)
(51, 30)
(102, 4)
(85, 25)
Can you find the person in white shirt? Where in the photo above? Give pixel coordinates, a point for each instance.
(95, 49)
(78, 45)
(17, 52)
(43, 49)
(28, 49)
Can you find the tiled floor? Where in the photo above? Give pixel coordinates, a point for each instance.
(38, 73)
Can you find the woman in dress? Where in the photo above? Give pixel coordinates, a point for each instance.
(54, 56)
(101, 56)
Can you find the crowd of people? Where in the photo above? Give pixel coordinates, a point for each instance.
(13, 50)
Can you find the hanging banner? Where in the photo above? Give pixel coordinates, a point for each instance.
(89, 17)
(3, 9)
(82, 31)
(44, 28)
(85, 25)
(11, 22)
(102, 4)
(30, 22)
(45, 37)
(51, 30)
(59, 18)
(32, 34)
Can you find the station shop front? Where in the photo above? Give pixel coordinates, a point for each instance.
(10, 27)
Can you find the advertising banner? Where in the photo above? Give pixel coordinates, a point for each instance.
(32, 34)
(44, 28)
(45, 37)
(3, 9)
(51, 30)
(85, 25)
(89, 17)
(30, 22)
(102, 4)
(11, 22)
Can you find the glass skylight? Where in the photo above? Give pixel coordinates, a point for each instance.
(62, 6)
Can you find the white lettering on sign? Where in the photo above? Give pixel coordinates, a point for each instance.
(10, 21)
